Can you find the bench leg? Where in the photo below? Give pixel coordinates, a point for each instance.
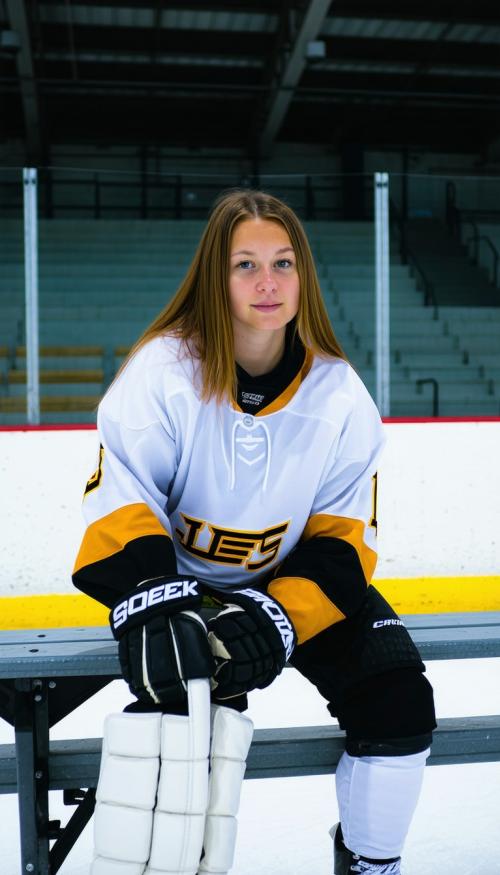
(73, 829)
(32, 746)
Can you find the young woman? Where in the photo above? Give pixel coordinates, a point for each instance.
(239, 448)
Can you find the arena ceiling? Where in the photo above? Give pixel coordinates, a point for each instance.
(391, 73)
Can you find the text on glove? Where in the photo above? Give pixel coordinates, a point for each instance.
(164, 592)
(275, 613)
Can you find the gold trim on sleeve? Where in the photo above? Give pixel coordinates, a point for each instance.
(322, 525)
(110, 534)
(309, 609)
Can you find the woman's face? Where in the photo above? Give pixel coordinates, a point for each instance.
(263, 279)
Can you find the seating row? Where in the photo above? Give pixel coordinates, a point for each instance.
(102, 283)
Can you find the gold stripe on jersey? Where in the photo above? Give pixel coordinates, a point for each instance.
(288, 393)
(322, 525)
(309, 609)
(110, 534)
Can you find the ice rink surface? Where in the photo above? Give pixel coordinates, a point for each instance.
(283, 823)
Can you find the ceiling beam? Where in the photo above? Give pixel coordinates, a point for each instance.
(292, 67)
(17, 14)
(482, 12)
(261, 7)
(381, 50)
(148, 40)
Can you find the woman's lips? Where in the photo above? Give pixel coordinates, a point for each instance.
(266, 308)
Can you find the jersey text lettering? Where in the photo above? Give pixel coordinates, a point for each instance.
(230, 546)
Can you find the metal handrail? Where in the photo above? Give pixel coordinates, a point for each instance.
(475, 232)
(435, 392)
(429, 293)
(409, 256)
(457, 218)
(476, 239)
(306, 186)
(453, 212)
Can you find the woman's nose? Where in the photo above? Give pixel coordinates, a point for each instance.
(266, 281)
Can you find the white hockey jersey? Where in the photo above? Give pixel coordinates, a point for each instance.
(284, 498)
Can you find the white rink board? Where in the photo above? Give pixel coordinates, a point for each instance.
(438, 508)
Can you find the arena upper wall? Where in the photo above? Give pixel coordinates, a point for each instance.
(438, 512)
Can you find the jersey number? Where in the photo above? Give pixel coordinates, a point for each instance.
(96, 478)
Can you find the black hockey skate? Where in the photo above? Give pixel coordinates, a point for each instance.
(347, 863)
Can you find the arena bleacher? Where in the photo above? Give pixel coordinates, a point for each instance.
(103, 281)
(136, 120)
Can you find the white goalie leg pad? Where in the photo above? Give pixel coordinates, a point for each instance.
(377, 797)
(231, 738)
(126, 794)
(105, 866)
(179, 818)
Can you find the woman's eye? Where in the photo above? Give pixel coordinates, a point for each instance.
(245, 265)
(283, 263)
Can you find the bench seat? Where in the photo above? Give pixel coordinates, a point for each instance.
(291, 752)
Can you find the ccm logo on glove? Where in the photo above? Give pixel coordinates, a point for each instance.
(163, 592)
(277, 615)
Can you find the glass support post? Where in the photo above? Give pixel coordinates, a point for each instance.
(382, 295)
(31, 295)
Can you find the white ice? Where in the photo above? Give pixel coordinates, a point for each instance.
(284, 822)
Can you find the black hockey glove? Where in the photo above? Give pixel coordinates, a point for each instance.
(251, 639)
(162, 642)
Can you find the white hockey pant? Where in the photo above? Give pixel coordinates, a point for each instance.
(154, 814)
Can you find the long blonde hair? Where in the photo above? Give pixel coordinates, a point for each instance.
(199, 312)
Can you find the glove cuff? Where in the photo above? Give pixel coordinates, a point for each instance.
(159, 596)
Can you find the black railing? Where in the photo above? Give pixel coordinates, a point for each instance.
(476, 240)
(177, 196)
(398, 224)
(435, 392)
(453, 218)
(480, 214)
(457, 218)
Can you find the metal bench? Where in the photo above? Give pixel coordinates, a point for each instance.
(46, 674)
